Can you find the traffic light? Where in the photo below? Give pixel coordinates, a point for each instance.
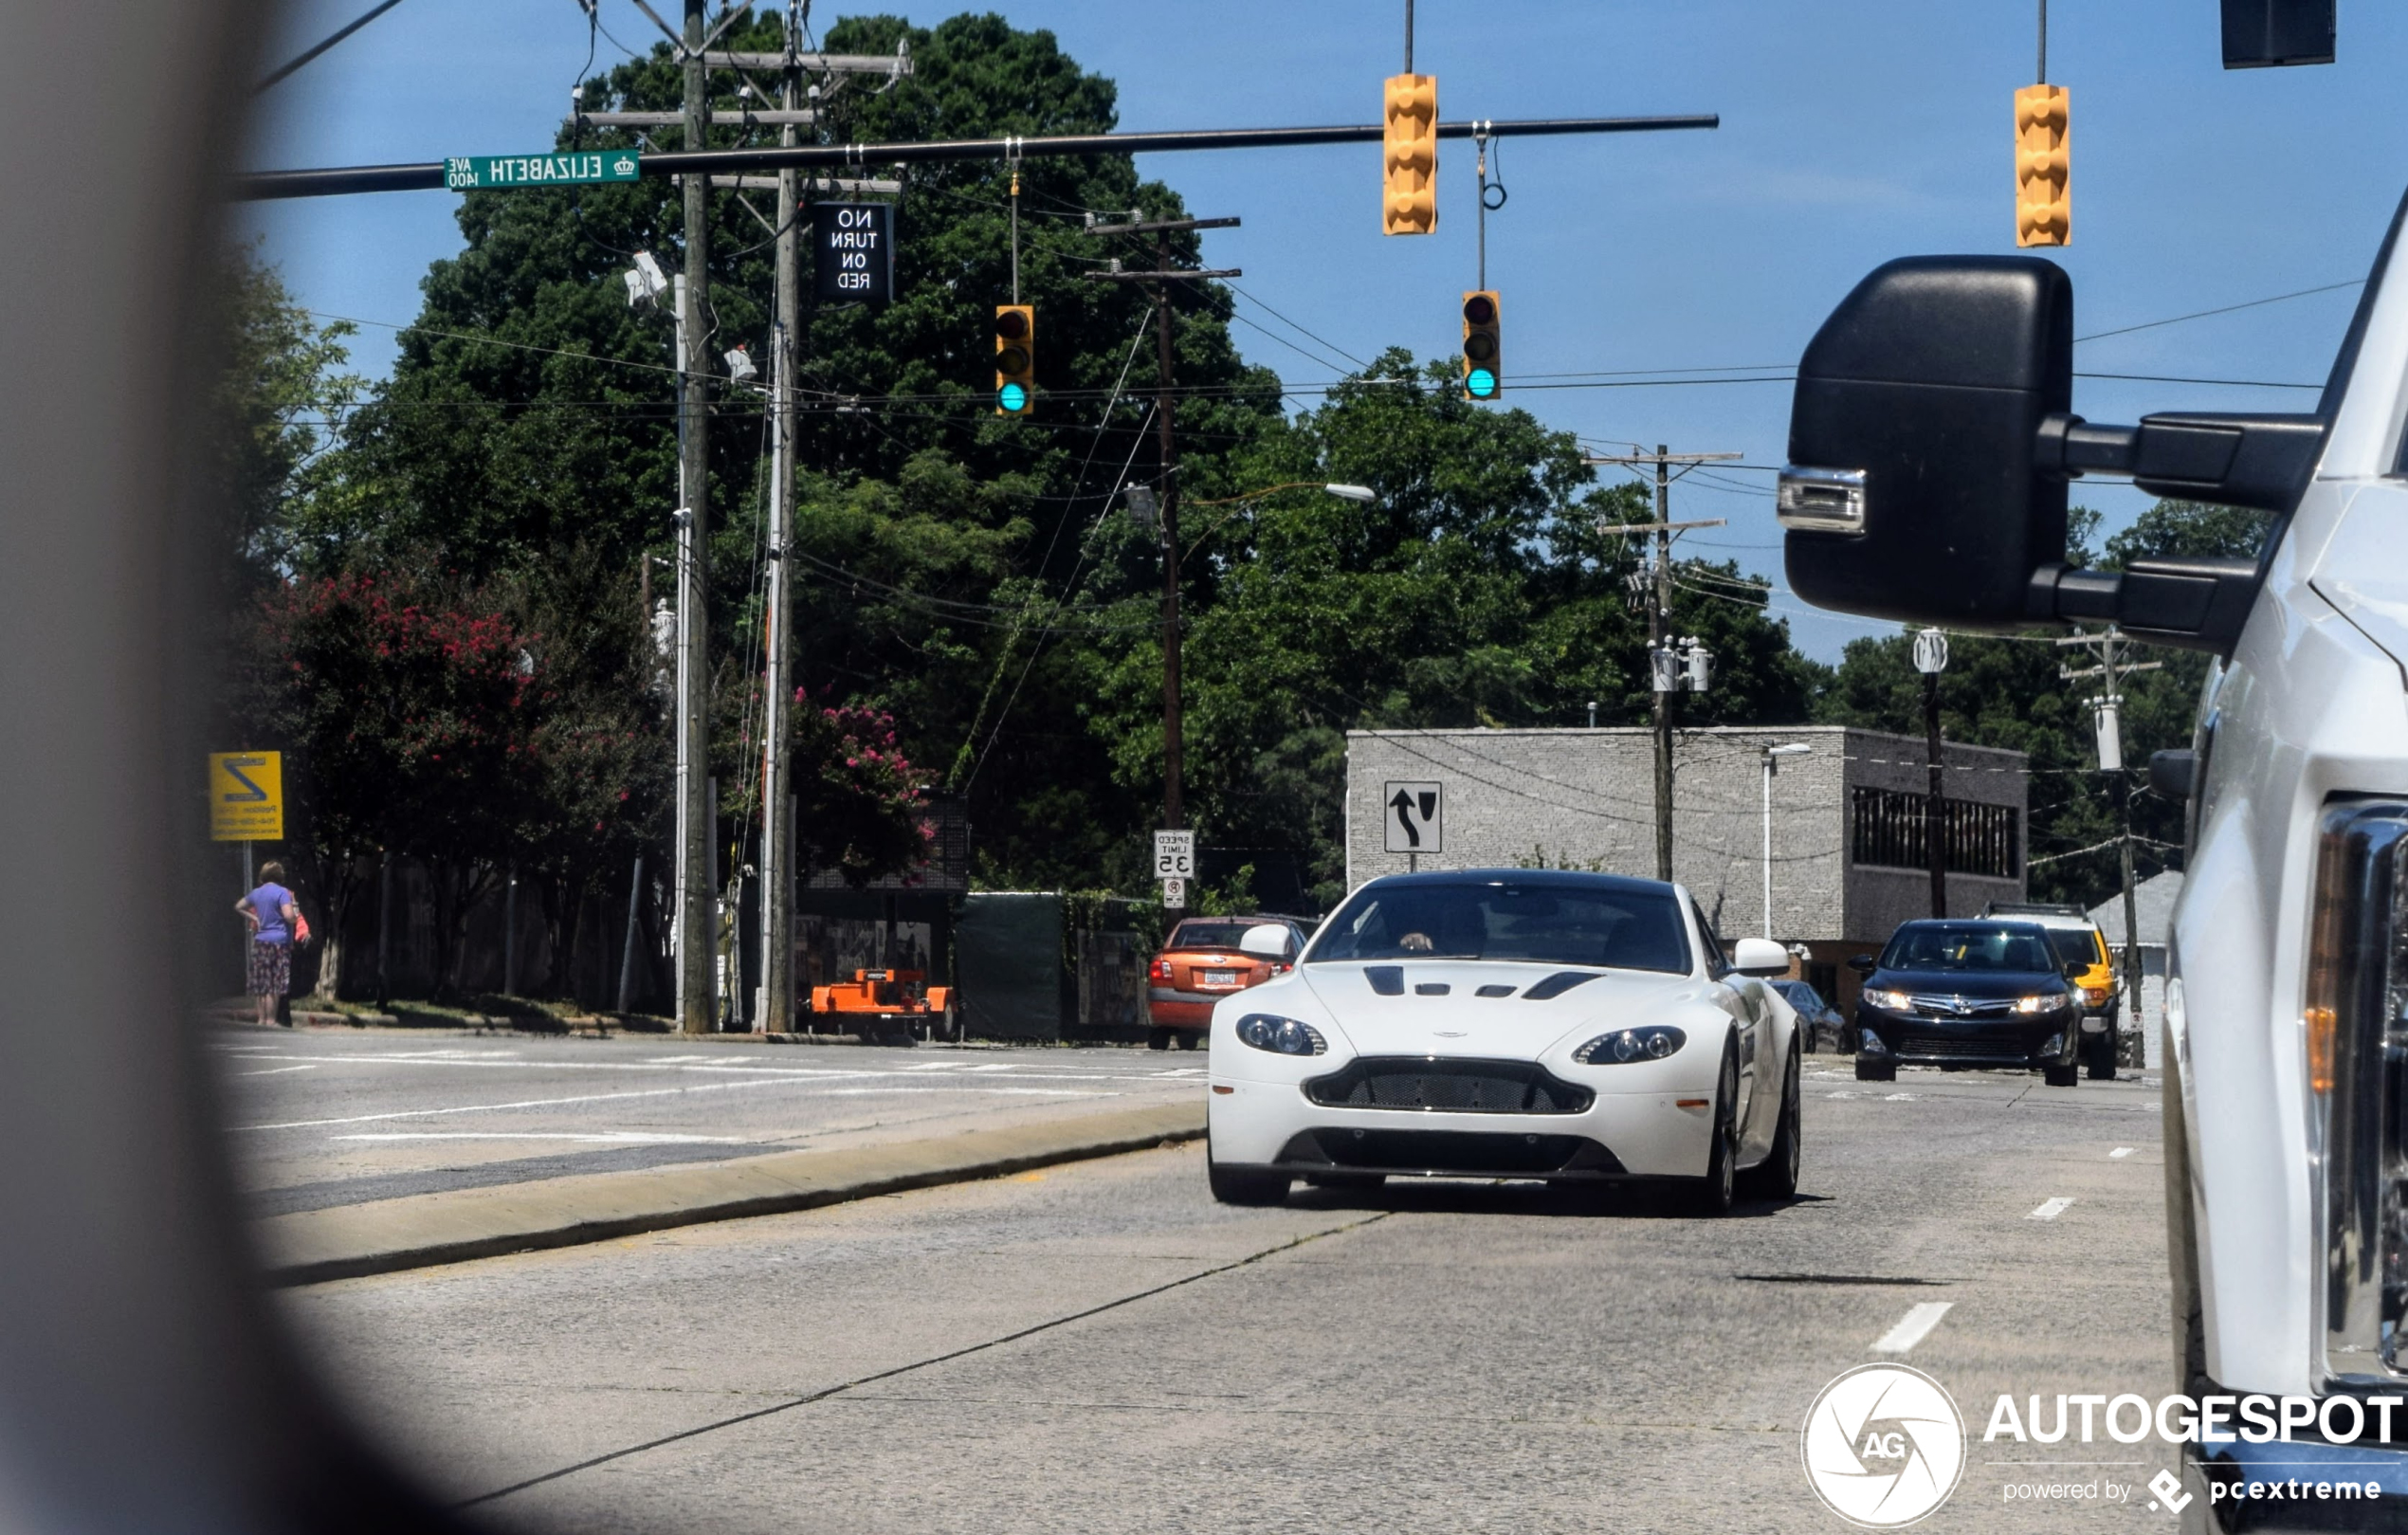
(2043, 167)
(1483, 363)
(1410, 200)
(1015, 358)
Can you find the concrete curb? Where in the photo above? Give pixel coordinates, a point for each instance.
(420, 1231)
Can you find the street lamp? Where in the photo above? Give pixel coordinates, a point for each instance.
(1771, 765)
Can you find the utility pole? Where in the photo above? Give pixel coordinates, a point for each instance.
(1174, 805)
(1931, 659)
(2109, 646)
(1659, 620)
(697, 902)
(773, 1012)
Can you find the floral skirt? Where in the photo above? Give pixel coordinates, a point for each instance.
(270, 969)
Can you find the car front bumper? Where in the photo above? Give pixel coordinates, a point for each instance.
(2022, 1042)
(1275, 1125)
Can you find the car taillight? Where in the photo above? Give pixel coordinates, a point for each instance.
(1161, 971)
(2095, 995)
(2355, 1020)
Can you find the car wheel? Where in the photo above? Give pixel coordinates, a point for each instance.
(1776, 1176)
(1157, 1039)
(1712, 1193)
(2061, 1076)
(1190, 1039)
(2101, 1049)
(1875, 1070)
(1237, 1186)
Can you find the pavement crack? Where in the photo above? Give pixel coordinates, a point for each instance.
(964, 1352)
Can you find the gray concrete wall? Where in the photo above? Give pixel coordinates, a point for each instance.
(1586, 799)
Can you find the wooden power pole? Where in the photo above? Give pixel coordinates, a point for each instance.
(698, 902)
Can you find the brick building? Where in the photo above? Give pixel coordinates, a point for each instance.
(1847, 821)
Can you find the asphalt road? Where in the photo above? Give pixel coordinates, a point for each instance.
(320, 1118)
(1099, 1347)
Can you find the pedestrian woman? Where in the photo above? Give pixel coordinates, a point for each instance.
(273, 917)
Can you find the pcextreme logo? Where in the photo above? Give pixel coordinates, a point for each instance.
(1883, 1445)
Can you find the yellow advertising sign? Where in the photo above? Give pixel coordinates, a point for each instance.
(246, 796)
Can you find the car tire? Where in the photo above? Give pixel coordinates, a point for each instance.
(2061, 1076)
(1241, 1186)
(2101, 1048)
(1875, 1070)
(1157, 1039)
(1712, 1195)
(1776, 1176)
(1190, 1039)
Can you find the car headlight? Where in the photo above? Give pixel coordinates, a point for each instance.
(1280, 1036)
(2044, 1003)
(1888, 1000)
(1650, 1043)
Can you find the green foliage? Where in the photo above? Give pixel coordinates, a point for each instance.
(280, 383)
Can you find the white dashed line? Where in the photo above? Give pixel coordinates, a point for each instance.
(1913, 1327)
(2050, 1209)
(2119, 1153)
(1839, 1095)
(1898, 1098)
(276, 1070)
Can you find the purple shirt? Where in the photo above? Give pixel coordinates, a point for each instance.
(269, 901)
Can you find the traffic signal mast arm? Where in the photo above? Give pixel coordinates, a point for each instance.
(342, 180)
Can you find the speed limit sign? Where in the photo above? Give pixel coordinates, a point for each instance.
(1174, 855)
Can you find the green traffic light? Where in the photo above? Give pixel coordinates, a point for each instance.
(1013, 398)
(1481, 384)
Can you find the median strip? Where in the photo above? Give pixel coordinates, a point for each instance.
(422, 1230)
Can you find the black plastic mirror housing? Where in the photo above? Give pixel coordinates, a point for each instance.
(1923, 394)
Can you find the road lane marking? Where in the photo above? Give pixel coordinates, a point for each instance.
(1912, 1328)
(495, 1109)
(2119, 1153)
(1898, 1098)
(276, 1070)
(614, 1138)
(2050, 1209)
(1031, 1092)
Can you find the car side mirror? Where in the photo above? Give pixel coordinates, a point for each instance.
(1862, 964)
(1759, 956)
(1265, 940)
(1931, 438)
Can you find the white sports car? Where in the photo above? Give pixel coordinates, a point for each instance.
(1510, 1023)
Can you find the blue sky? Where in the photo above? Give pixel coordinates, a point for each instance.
(1852, 133)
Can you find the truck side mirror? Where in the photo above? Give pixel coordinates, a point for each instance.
(1912, 493)
(2175, 774)
(1930, 440)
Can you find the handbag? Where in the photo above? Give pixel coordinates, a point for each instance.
(300, 926)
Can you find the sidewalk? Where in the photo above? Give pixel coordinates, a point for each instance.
(420, 1231)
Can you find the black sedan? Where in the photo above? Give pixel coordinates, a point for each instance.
(1968, 994)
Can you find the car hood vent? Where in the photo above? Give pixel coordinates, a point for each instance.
(1556, 984)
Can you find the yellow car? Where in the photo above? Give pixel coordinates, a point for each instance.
(2079, 944)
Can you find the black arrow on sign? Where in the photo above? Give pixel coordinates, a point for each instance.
(1403, 805)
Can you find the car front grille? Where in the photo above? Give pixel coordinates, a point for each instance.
(1459, 1153)
(1439, 1086)
(1952, 1049)
(1963, 1007)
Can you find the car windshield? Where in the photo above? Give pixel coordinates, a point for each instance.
(2074, 945)
(1615, 929)
(1966, 946)
(1210, 935)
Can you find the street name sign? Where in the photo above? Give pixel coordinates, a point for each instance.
(470, 173)
(246, 796)
(1415, 816)
(1174, 855)
(853, 250)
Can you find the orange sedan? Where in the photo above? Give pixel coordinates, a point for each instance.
(1201, 965)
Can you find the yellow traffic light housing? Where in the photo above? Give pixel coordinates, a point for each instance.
(1409, 202)
(1483, 358)
(2043, 167)
(1015, 358)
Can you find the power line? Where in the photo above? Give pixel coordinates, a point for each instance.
(308, 54)
(2202, 314)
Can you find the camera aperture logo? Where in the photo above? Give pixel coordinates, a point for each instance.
(1883, 1445)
